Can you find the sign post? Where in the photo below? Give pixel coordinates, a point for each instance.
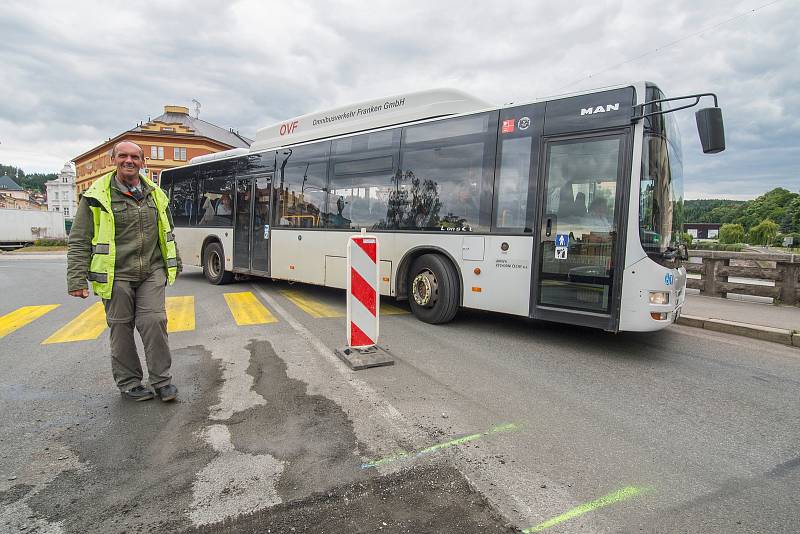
(363, 304)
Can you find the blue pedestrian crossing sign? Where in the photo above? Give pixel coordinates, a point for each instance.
(562, 246)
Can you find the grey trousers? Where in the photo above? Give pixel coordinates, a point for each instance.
(140, 304)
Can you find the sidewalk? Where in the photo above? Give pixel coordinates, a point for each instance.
(752, 319)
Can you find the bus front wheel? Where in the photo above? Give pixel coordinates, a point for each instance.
(433, 289)
(214, 265)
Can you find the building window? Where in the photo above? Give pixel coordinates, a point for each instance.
(155, 176)
(156, 152)
(167, 129)
(179, 154)
(66, 212)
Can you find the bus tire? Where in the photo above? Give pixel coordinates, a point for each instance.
(433, 289)
(214, 265)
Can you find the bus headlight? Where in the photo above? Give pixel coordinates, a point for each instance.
(659, 297)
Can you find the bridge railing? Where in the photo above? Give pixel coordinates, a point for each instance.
(761, 275)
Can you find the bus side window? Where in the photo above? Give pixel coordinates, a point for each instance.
(182, 197)
(511, 186)
(363, 182)
(301, 186)
(215, 205)
(447, 170)
(302, 198)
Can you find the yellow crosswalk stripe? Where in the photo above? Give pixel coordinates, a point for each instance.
(180, 314)
(388, 309)
(247, 309)
(22, 316)
(88, 325)
(312, 307)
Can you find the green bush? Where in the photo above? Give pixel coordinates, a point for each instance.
(728, 247)
(50, 243)
(731, 233)
(763, 233)
(686, 238)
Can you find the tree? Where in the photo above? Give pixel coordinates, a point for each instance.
(791, 221)
(731, 233)
(763, 233)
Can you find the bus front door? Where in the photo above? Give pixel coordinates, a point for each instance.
(583, 187)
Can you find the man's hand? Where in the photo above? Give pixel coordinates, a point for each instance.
(82, 293)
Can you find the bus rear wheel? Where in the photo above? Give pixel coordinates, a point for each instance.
(433, 289)
(214, 265)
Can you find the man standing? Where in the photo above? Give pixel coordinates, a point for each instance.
(121, 240)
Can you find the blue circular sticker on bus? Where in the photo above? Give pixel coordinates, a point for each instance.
(668, 279)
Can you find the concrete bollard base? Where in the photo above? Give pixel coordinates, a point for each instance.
(365, 358)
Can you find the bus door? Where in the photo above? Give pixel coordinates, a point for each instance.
(242, 224)
(580, 243)
(262, 211)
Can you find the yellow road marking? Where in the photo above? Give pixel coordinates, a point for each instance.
(388, 309)
(247, 309)
(88, 325)
(22, 316)
(312, 307)
(180, 314)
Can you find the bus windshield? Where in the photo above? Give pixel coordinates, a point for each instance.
(661, 188)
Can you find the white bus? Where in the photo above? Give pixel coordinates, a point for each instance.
(564, 209)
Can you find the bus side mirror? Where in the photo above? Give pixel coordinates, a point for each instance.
(711, 130)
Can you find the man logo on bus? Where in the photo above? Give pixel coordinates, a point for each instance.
(288, 127)
(600, 109)
(523, 123)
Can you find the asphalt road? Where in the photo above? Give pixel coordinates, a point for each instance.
(484, 424)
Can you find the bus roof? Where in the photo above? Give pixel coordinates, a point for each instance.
(367, 115)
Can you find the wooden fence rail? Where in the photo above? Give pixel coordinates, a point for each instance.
(716, 267)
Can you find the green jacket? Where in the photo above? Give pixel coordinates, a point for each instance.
(114, 237)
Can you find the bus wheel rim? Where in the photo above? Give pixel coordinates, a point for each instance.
(214, 264)
(424, 289)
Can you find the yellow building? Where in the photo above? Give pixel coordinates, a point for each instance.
(170, 140)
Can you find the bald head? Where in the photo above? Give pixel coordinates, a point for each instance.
(129, 159)
(131, 143)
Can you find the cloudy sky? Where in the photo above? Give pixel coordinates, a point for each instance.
(73, 74)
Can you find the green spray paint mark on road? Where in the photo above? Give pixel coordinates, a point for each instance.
(620, 495)
(508, 427)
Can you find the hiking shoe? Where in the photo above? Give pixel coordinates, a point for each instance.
(167, 393)
(138, 393)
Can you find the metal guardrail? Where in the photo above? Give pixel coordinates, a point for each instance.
(716, 267)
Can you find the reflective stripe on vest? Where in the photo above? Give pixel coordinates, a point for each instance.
(98, 277)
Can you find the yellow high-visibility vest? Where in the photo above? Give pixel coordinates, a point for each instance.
(101, 269)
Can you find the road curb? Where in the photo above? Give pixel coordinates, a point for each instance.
(765, 333)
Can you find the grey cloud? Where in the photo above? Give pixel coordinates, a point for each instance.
(78, 76)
